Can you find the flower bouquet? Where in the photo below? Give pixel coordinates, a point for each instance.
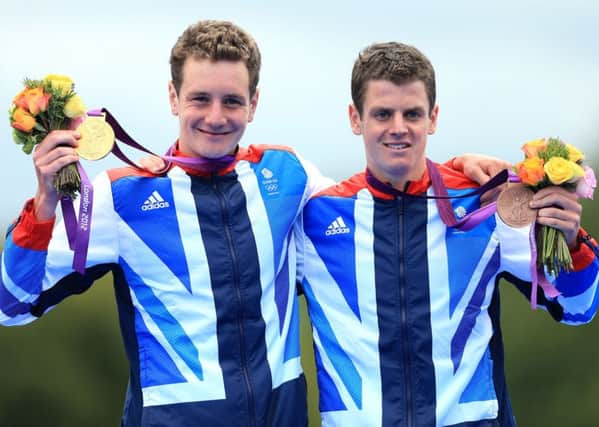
(550, 161)
(41, 107)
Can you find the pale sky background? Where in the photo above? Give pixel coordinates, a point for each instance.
(507, 71)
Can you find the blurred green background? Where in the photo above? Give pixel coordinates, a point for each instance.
(69, 369)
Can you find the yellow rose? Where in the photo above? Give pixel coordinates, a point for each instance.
(531, 170)
(61, 83)
(574, 154)
(532, 148)
(74, 107)
(560, 170)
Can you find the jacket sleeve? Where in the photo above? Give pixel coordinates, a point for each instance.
(36, 262)
(579, 288)
(579, 294)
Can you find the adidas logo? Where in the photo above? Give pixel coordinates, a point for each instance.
(155, 201)
(337, 227)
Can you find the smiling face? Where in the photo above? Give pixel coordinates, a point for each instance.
(394, 125)
(213, 106)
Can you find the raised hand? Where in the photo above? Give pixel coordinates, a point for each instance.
(52, 154)
(480, 169)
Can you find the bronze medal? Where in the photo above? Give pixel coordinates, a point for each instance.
(97, 138)
(513, 208)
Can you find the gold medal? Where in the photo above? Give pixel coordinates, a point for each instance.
(97, 138)
(512, 206)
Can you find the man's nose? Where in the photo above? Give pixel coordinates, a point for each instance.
(215, 115)
(398, 124)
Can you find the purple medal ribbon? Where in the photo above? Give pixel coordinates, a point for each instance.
(442, 197)
(78, 228)
(197, 163)
(474, 218)
(537, 274)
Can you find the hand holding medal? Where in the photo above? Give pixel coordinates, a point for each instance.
(51, 104)
(548, 162)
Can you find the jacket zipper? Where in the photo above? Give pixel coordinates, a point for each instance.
(403, 310)
(232, 252)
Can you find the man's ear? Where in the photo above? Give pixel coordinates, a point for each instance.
(432, 127)
(173, 99)
(253, 105)
(354, 120)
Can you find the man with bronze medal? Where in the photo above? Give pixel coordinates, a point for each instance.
(403, 298)
(203, 255)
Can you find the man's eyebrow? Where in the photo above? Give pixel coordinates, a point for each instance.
(417, 109)
(226, 95)
(198, 92)
(381, 107)
(235, 95)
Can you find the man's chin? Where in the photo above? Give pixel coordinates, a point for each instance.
(210, 150)
(217, 154)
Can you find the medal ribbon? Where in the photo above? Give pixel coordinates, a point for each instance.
(474, 218)
(442, 197)
(537, 274)
(197, 163)
(78, 228)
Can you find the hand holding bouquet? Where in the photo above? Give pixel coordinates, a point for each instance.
(550, 161)
(41, 107)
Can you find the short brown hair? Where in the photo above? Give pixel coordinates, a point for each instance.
(216, 41)
(396, 62)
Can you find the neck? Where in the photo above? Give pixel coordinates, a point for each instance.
(198, 163)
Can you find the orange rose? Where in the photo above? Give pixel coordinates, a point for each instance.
(22, 120)
(532, 148)
(531, 170)
(20, 101)
(37, 100)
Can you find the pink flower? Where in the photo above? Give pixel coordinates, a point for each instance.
(587, 184)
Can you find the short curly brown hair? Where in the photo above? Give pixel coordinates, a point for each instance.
(396, 62)
(216, 41)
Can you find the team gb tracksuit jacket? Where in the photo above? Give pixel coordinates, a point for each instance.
(204, 273)
(405, 310)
